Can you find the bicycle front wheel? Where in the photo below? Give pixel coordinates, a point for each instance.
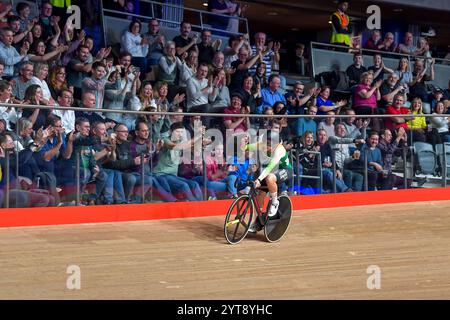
(238, 219)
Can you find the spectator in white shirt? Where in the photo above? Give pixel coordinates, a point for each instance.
(65, 99)
(40, 74)
(199, 91)
(134, 43)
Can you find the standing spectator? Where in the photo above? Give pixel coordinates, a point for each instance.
(169, 64)
(418, 88)
(366, 95)
(199, 91)
(189, 69)
(207, 48)
(23, 11)
(240, 68)
(328, 124)
(389, 89)
(219, 7)
(235, 43)
(269, 53)
(156, 42)
(96, 83)
(166, 170)
(374, 160)
(355, 71)
(340, 23)
(79, 67)
(297, 99)
(301, 64)
(183, 42)
(220, 98)
(9, 56)
(47, 20)
(136, 45)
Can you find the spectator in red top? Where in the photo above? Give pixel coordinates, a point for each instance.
(374, 42)
(235, 123)
(397, 109)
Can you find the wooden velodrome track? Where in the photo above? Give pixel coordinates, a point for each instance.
(325, 255)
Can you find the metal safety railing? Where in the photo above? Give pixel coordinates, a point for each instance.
(407, 159)
(177, 19)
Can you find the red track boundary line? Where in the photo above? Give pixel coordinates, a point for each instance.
(118, 213)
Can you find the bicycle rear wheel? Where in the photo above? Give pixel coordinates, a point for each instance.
(238, 219)
(276, 226)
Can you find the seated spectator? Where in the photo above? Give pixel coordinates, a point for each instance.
(447, 97)
(418, 124)
(218, 61)
(41, 72)
(166, 171)
(389, 89)
(354, 129)
(271, 94)
(297, 99)
(250, 98)
(408, 47)
(438, 95)
(207, 48)
(9, 114)
(169, 64)
(241, 68)
(183, 42)
(19, 198)
(234, 123)
(259, 77)
(2, 69)
(355, 71)
(328, 124)
(9, 55)
(423, 48)
(418, 88)
(441, 123)
(57, 81)
(374, 42)
(156, 41)
(388, 44)
(134, 43)
(34, 96)
(379, 68)
(397, 108)
(324, 104)
(67, 117)
(23, 80)
(38, 52)
(88, 101)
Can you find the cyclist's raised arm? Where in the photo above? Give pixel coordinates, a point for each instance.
(279, 153)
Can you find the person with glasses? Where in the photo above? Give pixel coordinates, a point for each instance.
(57, 81)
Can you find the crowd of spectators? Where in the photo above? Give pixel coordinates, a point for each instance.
(126, 158)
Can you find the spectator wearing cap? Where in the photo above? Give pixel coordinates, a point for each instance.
(236, 124)
(271, 94)
(438, 95)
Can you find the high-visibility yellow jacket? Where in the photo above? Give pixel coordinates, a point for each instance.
(339, 35)
(60, 3)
